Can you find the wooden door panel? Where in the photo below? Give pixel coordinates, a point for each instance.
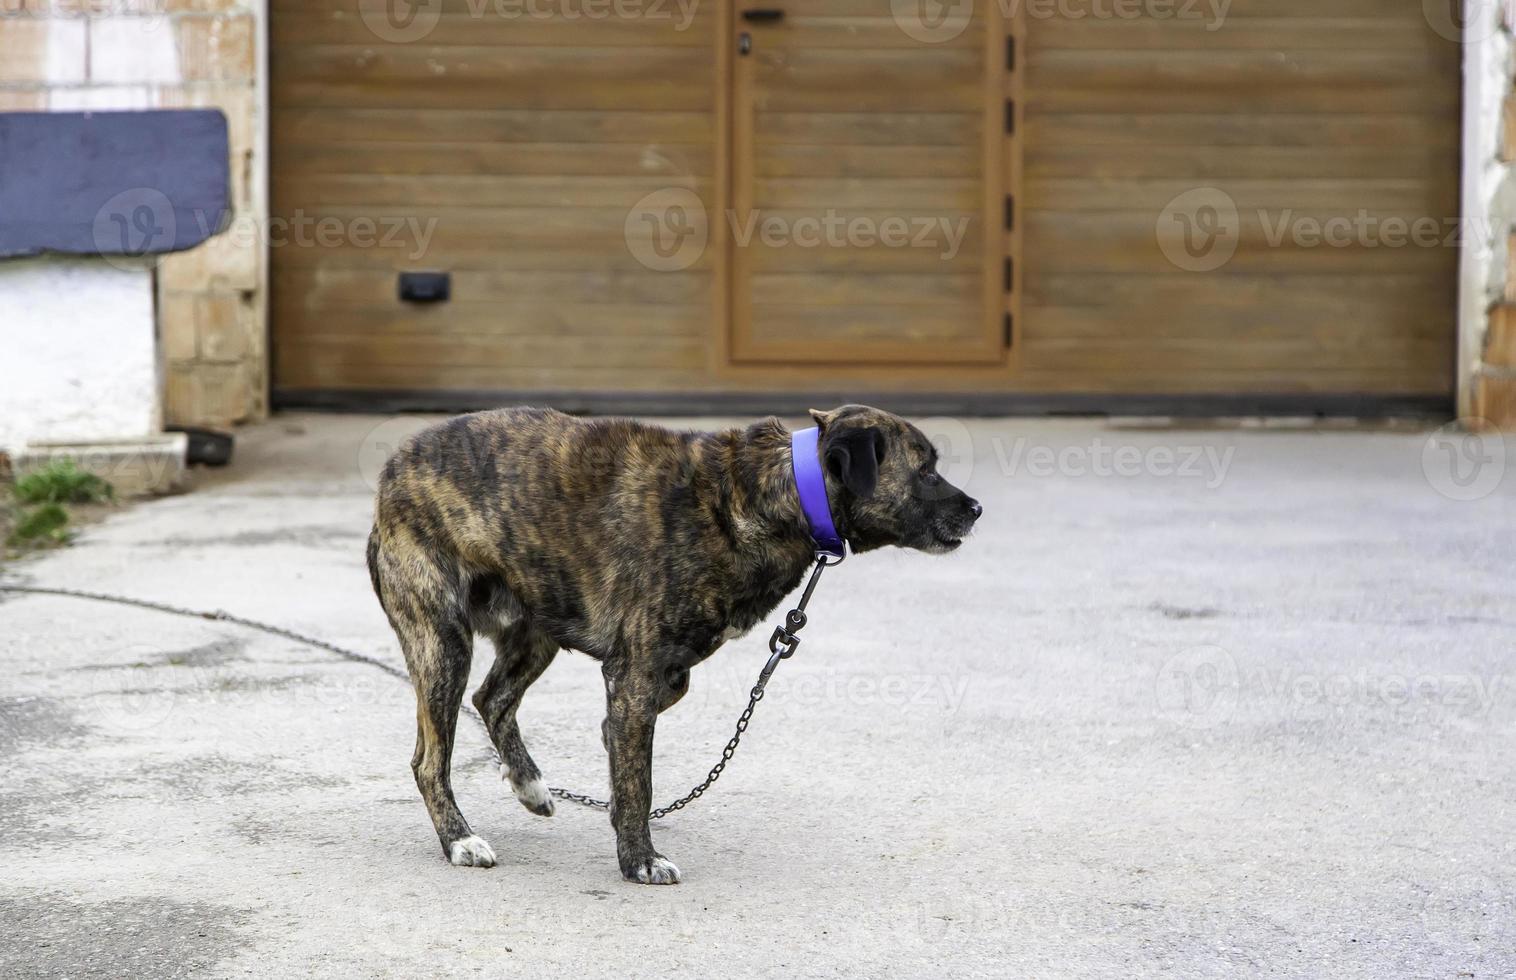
(864, 166)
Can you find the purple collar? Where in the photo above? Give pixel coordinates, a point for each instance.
(811, 483)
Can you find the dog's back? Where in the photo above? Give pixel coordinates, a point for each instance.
(523, 480)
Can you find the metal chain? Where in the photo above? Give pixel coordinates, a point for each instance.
(782, 646)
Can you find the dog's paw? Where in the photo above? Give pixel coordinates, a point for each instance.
(533, 793)
(471, 852)
(655, 870)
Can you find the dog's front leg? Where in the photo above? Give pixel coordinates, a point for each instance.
(633, 695)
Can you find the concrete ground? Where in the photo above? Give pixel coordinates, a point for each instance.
(1194, 703)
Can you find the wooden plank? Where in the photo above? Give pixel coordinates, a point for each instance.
(852, 289)
(798, 160)
(1127, 242)
(1233, 81)
(1205, 355)
(1122, 298)
(400, 76)
(444, 125)
(675, 160)
(650, 25)
(1232, 32)
(1428, 381)
(1293, 321)
(481, 322)
(390, 190)
(420, 350)
(1332, 197)
(852, 193)
(1277, 130)
(1218, 164)
(866, 326)
(885, 129)
(299, 368)
(800, 31)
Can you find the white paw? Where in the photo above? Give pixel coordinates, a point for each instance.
(533, 793)
(658, 871)
(471, 852)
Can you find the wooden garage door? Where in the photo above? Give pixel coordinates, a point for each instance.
(866, 157)
(508, 150)
(530, 153)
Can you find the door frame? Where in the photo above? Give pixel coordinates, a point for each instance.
(1000, 112)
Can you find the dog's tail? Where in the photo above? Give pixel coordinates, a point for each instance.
(373, 564)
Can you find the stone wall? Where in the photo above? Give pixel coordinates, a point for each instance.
(1487, 286)
(136, 54)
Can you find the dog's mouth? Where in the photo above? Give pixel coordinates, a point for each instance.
(944, 542)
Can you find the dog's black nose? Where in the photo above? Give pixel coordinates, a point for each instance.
(975, 509)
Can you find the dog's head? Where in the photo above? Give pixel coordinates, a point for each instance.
(881, 474)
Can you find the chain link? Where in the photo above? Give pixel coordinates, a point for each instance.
(781, 646)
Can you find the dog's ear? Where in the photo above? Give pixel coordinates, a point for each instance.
(853, 458)
(820, 418)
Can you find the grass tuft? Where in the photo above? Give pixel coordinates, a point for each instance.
(46, 523)
(34, 510)
(63, 482)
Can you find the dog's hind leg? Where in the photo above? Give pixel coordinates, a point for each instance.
(521, 655)
(438, 646)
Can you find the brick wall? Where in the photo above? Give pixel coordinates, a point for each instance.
(134, 54)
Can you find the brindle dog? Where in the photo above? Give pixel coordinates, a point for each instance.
(641, 547)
